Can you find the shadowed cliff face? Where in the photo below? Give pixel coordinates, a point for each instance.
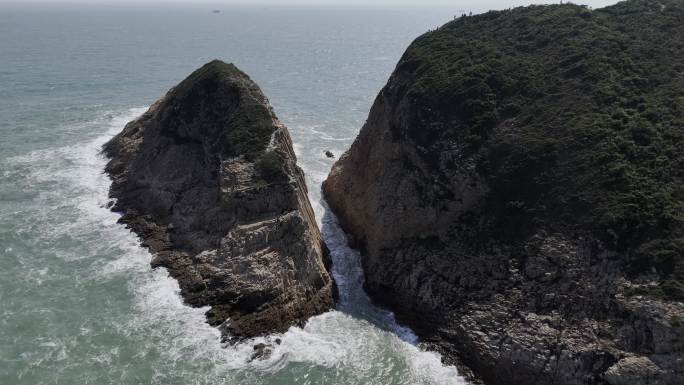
(517, 193)
(207, 178)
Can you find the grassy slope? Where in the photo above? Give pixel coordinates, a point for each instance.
(574, 116)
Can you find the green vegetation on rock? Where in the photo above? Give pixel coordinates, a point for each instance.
(220, 101)
(271, 167)
(573, 116)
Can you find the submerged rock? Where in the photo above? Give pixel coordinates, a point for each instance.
(261, 352)
(207, 178)
(517, 194)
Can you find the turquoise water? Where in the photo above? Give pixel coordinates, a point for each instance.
(79, 303)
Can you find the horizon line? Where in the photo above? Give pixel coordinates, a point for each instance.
(492, 4)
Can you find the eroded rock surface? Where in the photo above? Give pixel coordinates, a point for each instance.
(508, 207)
(207, 178)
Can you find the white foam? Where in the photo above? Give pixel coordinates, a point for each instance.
(425, 367)
(355, 344)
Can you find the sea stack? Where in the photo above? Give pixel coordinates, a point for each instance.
(517, 193)
(207, 178)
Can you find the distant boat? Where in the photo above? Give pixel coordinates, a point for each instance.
(216, 11)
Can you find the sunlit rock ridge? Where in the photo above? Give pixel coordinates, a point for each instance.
(207, 178)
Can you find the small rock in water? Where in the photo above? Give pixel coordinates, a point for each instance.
(278, 341)
(329, 154)
(261, 352)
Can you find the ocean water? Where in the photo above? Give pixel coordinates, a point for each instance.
(79, 303)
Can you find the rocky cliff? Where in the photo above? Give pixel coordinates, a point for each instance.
(518, 193)
(207, 178)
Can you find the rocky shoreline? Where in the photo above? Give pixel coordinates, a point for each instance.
(207, 178)
(486, 194)
(516, 193)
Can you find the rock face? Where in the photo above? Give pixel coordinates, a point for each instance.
(207, 178)
(518, 195)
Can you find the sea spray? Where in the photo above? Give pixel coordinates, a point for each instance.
(349, 345)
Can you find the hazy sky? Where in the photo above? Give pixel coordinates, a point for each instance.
(483, 4)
